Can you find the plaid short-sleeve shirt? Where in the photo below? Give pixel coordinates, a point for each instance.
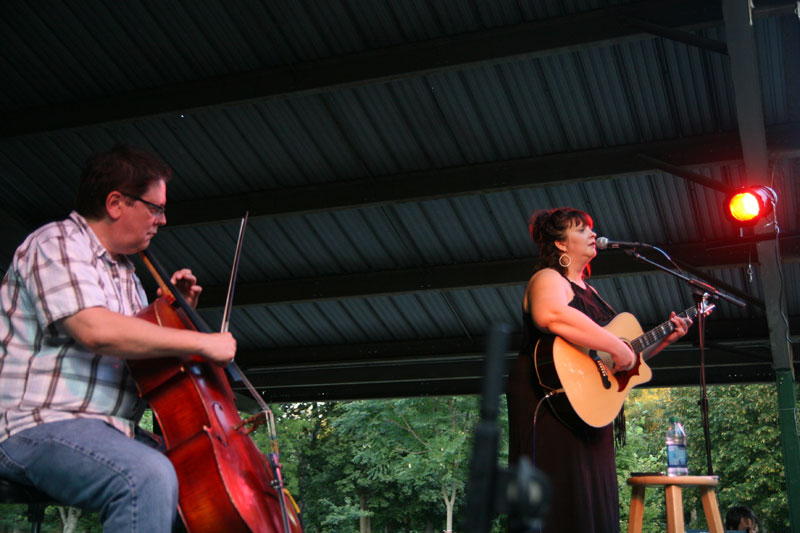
(45, 375)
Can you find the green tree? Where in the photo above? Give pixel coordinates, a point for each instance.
(645, 413)
(394, 465)
(745, 444)
(746, 450)
(420, 445)
(314, 458)
(435, 437)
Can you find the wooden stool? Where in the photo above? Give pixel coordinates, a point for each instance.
(672, 489)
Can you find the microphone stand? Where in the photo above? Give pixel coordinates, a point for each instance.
(703, 401)
(521, 492)
(700, 291)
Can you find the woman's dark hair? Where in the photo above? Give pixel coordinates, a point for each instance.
(550, 225)
(735, 515)
(123, 168)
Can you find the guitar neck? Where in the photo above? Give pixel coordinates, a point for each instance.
(655, 335)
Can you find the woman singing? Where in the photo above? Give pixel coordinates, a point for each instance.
(579, 462)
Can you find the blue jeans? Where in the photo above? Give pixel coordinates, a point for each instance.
(88, 464)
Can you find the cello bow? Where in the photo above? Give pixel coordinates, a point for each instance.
(214, 403)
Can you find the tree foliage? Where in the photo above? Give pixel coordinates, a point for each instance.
(396, 463)
(745, 445)
(388, 465)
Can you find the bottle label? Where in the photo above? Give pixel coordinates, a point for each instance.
(676, 455)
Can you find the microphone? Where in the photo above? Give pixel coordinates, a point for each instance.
(604, 242)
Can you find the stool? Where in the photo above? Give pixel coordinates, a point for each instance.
(37, 502)
(672, 489)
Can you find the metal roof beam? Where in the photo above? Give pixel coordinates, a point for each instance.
(305, 383)
(544, 171)
(664, 377)
(750, 117)
(737, 338)
(373, 391)
(309, 376)
(747, 89)
(725, 254)
(686, 174)
(533, 39)
(680, 36)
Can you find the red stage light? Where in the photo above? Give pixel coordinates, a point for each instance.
(747, 206)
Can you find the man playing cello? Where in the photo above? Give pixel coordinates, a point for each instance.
(68, 406)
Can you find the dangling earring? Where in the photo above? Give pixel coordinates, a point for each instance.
(561, 260)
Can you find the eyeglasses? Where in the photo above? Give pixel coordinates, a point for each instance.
(155, 209)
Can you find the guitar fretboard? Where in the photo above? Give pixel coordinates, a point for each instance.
(659, 332)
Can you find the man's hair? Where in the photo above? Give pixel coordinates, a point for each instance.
(123, 168)
(735, 515)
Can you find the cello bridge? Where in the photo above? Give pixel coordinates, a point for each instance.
(252, 422)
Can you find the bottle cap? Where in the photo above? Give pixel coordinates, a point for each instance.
(674, 420)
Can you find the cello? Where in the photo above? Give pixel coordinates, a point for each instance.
(225, 482)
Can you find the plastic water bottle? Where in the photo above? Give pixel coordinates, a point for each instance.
(676, 448)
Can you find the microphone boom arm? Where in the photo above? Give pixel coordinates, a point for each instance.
(696, 284)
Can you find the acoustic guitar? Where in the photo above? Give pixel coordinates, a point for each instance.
(594, 394)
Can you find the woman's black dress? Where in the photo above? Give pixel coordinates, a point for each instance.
(580, 464)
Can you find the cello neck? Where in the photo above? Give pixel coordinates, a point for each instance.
(169, 291)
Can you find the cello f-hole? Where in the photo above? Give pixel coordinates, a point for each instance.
(219, 412)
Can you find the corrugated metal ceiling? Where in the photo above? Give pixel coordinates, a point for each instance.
(627, 91)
